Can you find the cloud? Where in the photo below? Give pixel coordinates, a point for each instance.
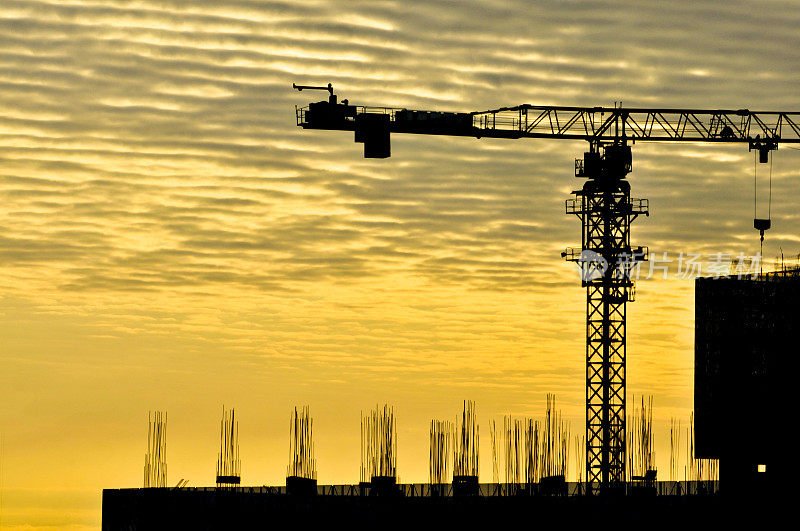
(158, 193)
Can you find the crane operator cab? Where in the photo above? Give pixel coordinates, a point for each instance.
(614, 162)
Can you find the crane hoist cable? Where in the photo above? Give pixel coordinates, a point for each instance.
(761, 224)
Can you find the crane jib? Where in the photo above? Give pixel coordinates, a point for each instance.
(762, 131)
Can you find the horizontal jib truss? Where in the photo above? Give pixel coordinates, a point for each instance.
(584, 123)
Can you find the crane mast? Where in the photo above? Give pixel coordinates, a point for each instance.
(606, 258)
(604, 206)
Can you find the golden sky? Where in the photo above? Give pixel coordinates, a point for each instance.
(171, 240)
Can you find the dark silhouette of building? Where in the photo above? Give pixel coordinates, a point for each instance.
(356, 508)
(745, 360)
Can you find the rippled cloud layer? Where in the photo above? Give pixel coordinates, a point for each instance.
(170, 239)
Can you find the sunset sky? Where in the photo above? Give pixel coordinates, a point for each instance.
(171, 240)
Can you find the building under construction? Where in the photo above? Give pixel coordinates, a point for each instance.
(744, 358)
(744, 328)
(745, 361)
(533, 452)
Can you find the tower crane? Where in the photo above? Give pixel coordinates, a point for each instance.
(604, 206)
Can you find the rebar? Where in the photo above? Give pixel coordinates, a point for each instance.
(555, 438)
(466, 443)
(228, 463)
(302, 463)
(532, 446)
(440, 437)
(641, 454)
(378, 444)
(155, 460)
(580, 457)
(513, 439)
(495, 453)
(701, 470)
(674, 448)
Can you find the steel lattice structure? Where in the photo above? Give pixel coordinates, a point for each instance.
(606, 258)
(604, 123)
(603, 204)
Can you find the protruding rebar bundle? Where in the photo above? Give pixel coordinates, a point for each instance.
(441, 434)
(466, 443)
(580, 457)
(155, 460)
(699, 469)
(532, 444)
(302, 463)
(641, 454)
(674, 449)
(512, 429)
(228, 464)
(555, 442)
(495, 453)
(378, 444)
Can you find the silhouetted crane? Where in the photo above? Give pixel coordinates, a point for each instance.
(603, 204)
